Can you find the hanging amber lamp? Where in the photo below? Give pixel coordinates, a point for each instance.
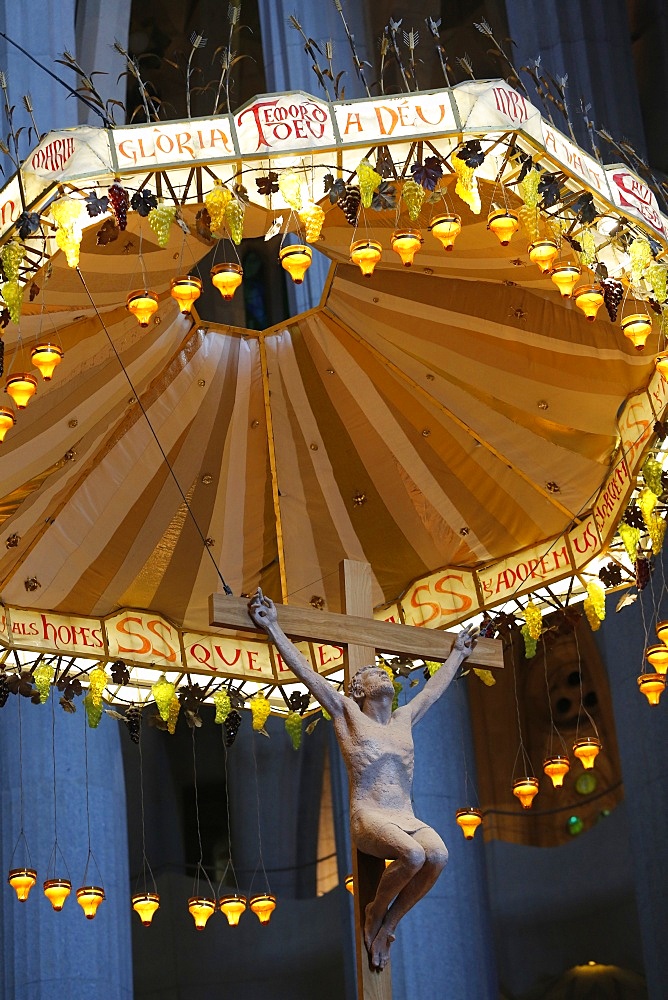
(565, 276)
(89, 898)
(657, 656)
(22, 880)
(652, 686)
(446, 229)
(406, 243)
(366, 254)
(201, 909)
(296, 259)
(468, 820)
(226, 277)
(589, 298)
(637, 327)
(349, 883)
(556, 768)
(56, 891)
(504, 224)
(542, 253)
(263, 906)
(661, 363)
(587, 750)
(186, 289)
(21, 387)
(146, 904)
(142, 304)
(45, 357)
(233, 906)
(7, 421)
(662, 632)
(526, 789)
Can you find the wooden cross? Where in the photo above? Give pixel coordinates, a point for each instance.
(360, 637)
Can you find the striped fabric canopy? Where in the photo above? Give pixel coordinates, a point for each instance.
(447, 414)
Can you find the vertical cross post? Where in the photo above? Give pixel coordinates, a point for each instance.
(357, 600)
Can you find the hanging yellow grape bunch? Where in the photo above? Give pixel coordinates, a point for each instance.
(260, 710)
(413, 194)
(93, 711)
(42, 676)
(656, 528)
(464, 162)
(368, 179)
(651, 473)
(312, 217)
(594, 604)
(532, 629)
(160, 220)
(630, 536)
(290, 186)
(12, 255)
(234, 220)
(527, 214)
(216, 200)
(588, 244)
(163, 691)
(173, 714)
(221, 700)
(66, 213)
(657, 276)
(97, 682)
(640, 253)
(293, 726)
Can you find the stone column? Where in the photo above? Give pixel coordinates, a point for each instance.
(47, 954)
(641, 734)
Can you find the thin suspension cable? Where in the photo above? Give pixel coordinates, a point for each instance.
(227, 589)
(257, 806)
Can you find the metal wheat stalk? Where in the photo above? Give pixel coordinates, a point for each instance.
(433, 28)
(465, 62)
(310, 48)
(13, 135)
(197, 41)
(358, 63)
(233, 15)
(384, 49)
(589, 125)
(485, 29)
(27, 104)
(411, 40)
(150, 109)
(392, 28)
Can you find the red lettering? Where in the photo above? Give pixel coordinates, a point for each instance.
(588, 540)
(562, 553)
(230, 663)
(462, 602)
(252, 655)
(205, 659)
(329, 659)
(435, 609)
(154, 627)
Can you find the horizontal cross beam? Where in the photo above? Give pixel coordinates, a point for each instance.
(340, 630)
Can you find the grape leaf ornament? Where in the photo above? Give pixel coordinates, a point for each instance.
(143, 201)
(95, 205)
(428, 174)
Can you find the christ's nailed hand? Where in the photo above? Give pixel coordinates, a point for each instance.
(466, 640)
(262, 610)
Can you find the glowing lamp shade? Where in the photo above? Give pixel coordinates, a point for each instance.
(406, 243)
(56, 891)
(296, 260)
(446, 229)
(662, 632)
(201, 909)
(565, 276)
(22, 880)
(233, 907)
(186, 289)
(661, 363)
(503, 224)
(658, 657)
(468, 820)
(587, 750)
(542, 253)
(526, 789)
(350, 884)
(45, 357)
(89, 898)
(366, 254)
(263, 906)
(142, 304)
(637, 327)
(589, 298)
(7, 421)
(145, 904)
(21, 387)
(227, 278)
(556, 768)
(652, 686)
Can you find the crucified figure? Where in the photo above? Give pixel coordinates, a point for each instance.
(377, 747)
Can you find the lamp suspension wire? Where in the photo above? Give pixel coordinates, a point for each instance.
(582, 707)
(200, 864)
(259, 830)
(145, 861)
(226, 588)
(21, 836)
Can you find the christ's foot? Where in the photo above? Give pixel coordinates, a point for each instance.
(373, 918)
(379, 952)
